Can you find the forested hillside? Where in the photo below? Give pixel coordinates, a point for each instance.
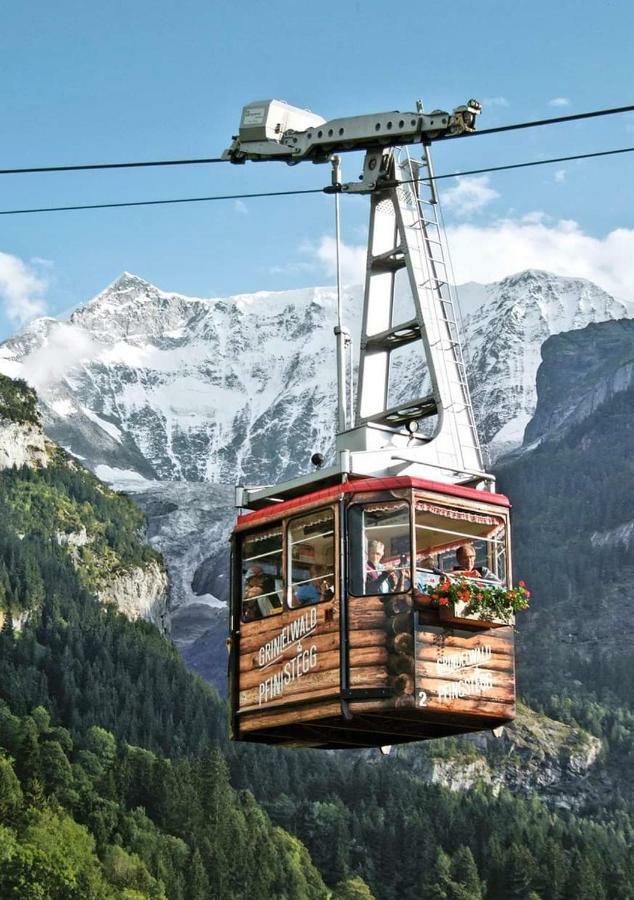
(112, 783)
(112, 749)
(573, 541)
(117, 781)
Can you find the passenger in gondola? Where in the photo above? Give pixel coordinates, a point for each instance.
(427, 572)
(259, 595)
(313, 590)
(258, 582)
(466, 567)
(378, 578)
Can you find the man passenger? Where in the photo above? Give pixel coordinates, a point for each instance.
(466, 557)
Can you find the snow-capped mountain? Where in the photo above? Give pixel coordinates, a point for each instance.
(504, 339)
(176, 387)
(156, 391)
(242, 388)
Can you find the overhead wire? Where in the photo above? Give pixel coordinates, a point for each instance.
(537, 123)
(45, 209)
(297, 192)
(535, 162)
(83, 167)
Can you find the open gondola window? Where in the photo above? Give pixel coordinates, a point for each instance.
(311, 554)
(380, 548)
(262, 584)
(458, 542)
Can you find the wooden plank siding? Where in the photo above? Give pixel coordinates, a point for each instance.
(462, 672)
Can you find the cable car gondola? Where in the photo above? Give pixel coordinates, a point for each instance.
(341, 633)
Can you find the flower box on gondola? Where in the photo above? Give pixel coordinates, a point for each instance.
(457, 613)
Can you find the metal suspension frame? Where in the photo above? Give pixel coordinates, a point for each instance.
(405, 233)
(380, 436)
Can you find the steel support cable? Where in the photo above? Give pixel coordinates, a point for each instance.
(536, 162)
(537, 123)
(124, 165)
(131, 203)
(574, 117)
(45, 209)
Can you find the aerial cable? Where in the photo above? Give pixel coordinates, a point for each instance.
(123, 165)
(329, 190)
(45, 209)
(205, 161)
(557, 120)
(537, 162)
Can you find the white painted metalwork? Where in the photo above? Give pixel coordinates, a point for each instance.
(405, 234)
(273, 129)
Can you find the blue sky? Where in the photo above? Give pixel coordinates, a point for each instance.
(116, 81)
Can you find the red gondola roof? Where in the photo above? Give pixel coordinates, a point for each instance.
(361, 485)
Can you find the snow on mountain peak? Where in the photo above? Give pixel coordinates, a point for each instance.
(243, 387)
(504, 339)
(150, 387)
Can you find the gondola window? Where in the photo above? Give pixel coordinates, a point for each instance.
(262, 580)
(443, 534)
(311, 554)
(380, 548)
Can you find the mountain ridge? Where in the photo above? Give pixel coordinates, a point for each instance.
(213, 389)
(158, 392)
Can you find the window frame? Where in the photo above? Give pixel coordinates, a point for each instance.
(406, 503)
(288, 549)
(245, 537)
(464, 536)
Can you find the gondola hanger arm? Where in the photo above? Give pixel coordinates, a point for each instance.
(275, 130)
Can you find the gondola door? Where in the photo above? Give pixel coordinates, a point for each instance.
(286, 627)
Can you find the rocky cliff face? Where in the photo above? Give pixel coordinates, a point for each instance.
(188, 523)
(23, 444)
(140, 593)
(48, 505)
(549, 760)
(598, 362)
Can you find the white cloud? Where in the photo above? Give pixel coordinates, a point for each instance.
(488, 253)
(352, 259)
(21, 289)
(241, 208)
(293, 268)
(560, 176)
(495, 101)
(41, 261)
(66, 346)
(469, 195)
(559, 102)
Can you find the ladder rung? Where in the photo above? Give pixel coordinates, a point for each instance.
(397, 336)
(391, 261)
(398, 415)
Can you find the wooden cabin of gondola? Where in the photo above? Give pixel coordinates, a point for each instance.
(324, 652)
